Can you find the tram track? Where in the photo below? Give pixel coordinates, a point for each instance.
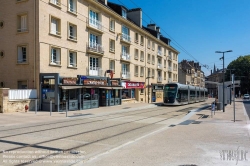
(98, 140)
(77, 124)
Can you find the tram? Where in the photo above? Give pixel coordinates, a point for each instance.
(180, 94)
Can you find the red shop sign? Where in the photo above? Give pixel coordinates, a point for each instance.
(138, 85)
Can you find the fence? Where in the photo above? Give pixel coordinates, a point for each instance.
(21, 94)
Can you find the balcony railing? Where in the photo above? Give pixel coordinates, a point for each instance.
(95, 24)
(94, 71)
(94, 47)
(159, 66)
(125, 38)
(170, 57)
(125, 75)
(125, 56)
(169, 68)
(22, 30)
(159, 79)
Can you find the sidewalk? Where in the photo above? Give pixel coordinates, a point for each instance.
(216, 140)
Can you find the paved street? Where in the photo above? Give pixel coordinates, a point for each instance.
(125, 135)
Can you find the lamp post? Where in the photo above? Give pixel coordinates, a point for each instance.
(148, 87)
(230, 86)
(223, 102)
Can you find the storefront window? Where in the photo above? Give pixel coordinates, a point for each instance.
(128, 93)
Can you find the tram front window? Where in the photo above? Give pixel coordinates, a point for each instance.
(170, 93)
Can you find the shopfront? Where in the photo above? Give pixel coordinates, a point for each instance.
(132, 90)
(157, 92)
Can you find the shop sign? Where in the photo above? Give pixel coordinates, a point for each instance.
(139, 85)
(94, 82)
(114, 83)
(69, 81)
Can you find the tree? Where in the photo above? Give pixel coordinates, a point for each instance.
(241, 71)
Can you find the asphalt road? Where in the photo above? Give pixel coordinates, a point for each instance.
(247, 107)
(79, 139)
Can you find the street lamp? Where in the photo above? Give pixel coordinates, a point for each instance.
(223, 102)
(148, 87)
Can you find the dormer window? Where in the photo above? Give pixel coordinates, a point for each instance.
(158, 36)
(124, 13)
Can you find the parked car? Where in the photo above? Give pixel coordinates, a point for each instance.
(246, 96)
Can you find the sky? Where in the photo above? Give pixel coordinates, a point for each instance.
(198, 28)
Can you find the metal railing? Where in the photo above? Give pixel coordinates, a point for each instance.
(91, 46)
(125, 75)
(125, 56)
(95, 71)
(95, 24)
(125, 37)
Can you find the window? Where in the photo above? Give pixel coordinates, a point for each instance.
(136, 38)
(22, 85)
(136, 54)
(112, 45)
(125, 33)
(153, 59)
(149, 72)
(165, 75)
(55, 26)
(136, 71)
(22, 23)
(159, 50)
(72, 4)
(112, 25)
(142, 72)
(128, 93)
(153, 73)
(21, 54)
(142, 91)
(72, 32)
(165, 63)
(72, 59)
(125, 71)
(94, 20)
(149, 43)
(153, 46)
(165, 50)
(142, 56)
(55, 2)
(148, 60)
(112, 65)
(142, 40)
(95, 66)
(124, 13)
(55, 58)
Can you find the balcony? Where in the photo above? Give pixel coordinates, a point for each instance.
(125, 38)
(95, 48)
(159, 66)
(159, 53)
(95, 25)
(159, 79)
(169, 79)
(125, 75)
(125, 56)
(94, 71)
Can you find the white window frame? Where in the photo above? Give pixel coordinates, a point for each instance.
(149, 43)
(136, 54)
(153, 59)
(112, 25)
(112, 65)
(142, 40)
(22, 22)
(22, 83)
(136, 70)
(22, 56)
(55, 2)
(55, 26)
(149, 58)
(141, 71)
(124, 13)
(142, 56)
(72, 32)
(55, 56)
(72, 59)
(149, 72)
(153, 73)
(111, 45)
(72, 6)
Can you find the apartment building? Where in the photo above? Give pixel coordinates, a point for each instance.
(83, 53)
(190, 73)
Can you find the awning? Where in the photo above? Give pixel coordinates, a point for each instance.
(71, 87)
(112, 87)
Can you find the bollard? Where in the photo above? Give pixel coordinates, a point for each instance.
(66, 109)
(36, 105)
(50, 107)
(212, 109)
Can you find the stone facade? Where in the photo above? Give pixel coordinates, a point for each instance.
(155, 58)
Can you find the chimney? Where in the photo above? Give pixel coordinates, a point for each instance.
(103, 2)
(136, 16)
(152, 26)
(158, 29)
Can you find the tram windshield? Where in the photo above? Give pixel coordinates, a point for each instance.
(170, 90)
